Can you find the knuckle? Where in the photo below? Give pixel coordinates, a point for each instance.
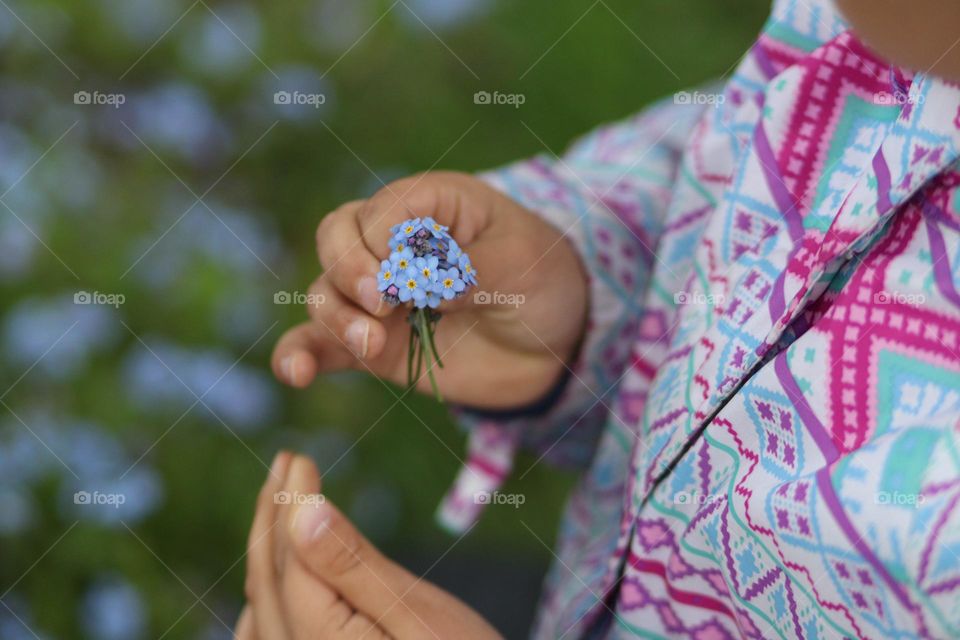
(343, 557)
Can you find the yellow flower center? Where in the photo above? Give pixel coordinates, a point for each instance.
(402, 263)
(448, 283)
(436, 227)
(411, 284)
(468, 269)
(387, 275)
(426, 272)
(408, 229)
(399, 246)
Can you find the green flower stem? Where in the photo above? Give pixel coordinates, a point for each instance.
(427, 349)
(431, 328)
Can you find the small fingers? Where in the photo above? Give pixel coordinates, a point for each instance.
(348, 327)
(347, 262)
(262, 589)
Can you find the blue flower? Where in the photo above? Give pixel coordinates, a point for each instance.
(469, 274)
(412, 286)
(402, 260)
(437, 229)
(453, 252)
(407, 228)
(432, 300)
(449, 283)
(386, 276)
(427, 267)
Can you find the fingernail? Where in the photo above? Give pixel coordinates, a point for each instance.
(358, 337)
(310, 522)
(367, 292)
(276, 464)
(286, 368)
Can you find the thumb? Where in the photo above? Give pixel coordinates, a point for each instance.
(328, 544)
(332, 549)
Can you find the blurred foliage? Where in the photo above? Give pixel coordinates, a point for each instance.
(193, 203)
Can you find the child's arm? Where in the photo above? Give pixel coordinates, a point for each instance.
(609, 194)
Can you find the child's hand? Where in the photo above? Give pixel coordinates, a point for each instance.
(503, 345)
(311, 574)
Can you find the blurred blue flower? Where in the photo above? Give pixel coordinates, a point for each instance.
(38, 330)
(140, 20)
(129, 497)
(17, 248)
(28, 452)
(221, 44)
(173, 377)
(177, 117)
(112, 609)
(226, 237)
(16, 620)
(17, 511)
(296, 93)
(443, 14)
(91, 452)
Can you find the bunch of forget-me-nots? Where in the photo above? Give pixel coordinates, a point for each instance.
(426, 266)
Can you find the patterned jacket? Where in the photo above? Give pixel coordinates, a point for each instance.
(767, 401)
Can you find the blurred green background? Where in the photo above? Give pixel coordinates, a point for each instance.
(142, 246)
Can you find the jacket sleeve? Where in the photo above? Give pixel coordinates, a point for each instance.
(608, 195)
